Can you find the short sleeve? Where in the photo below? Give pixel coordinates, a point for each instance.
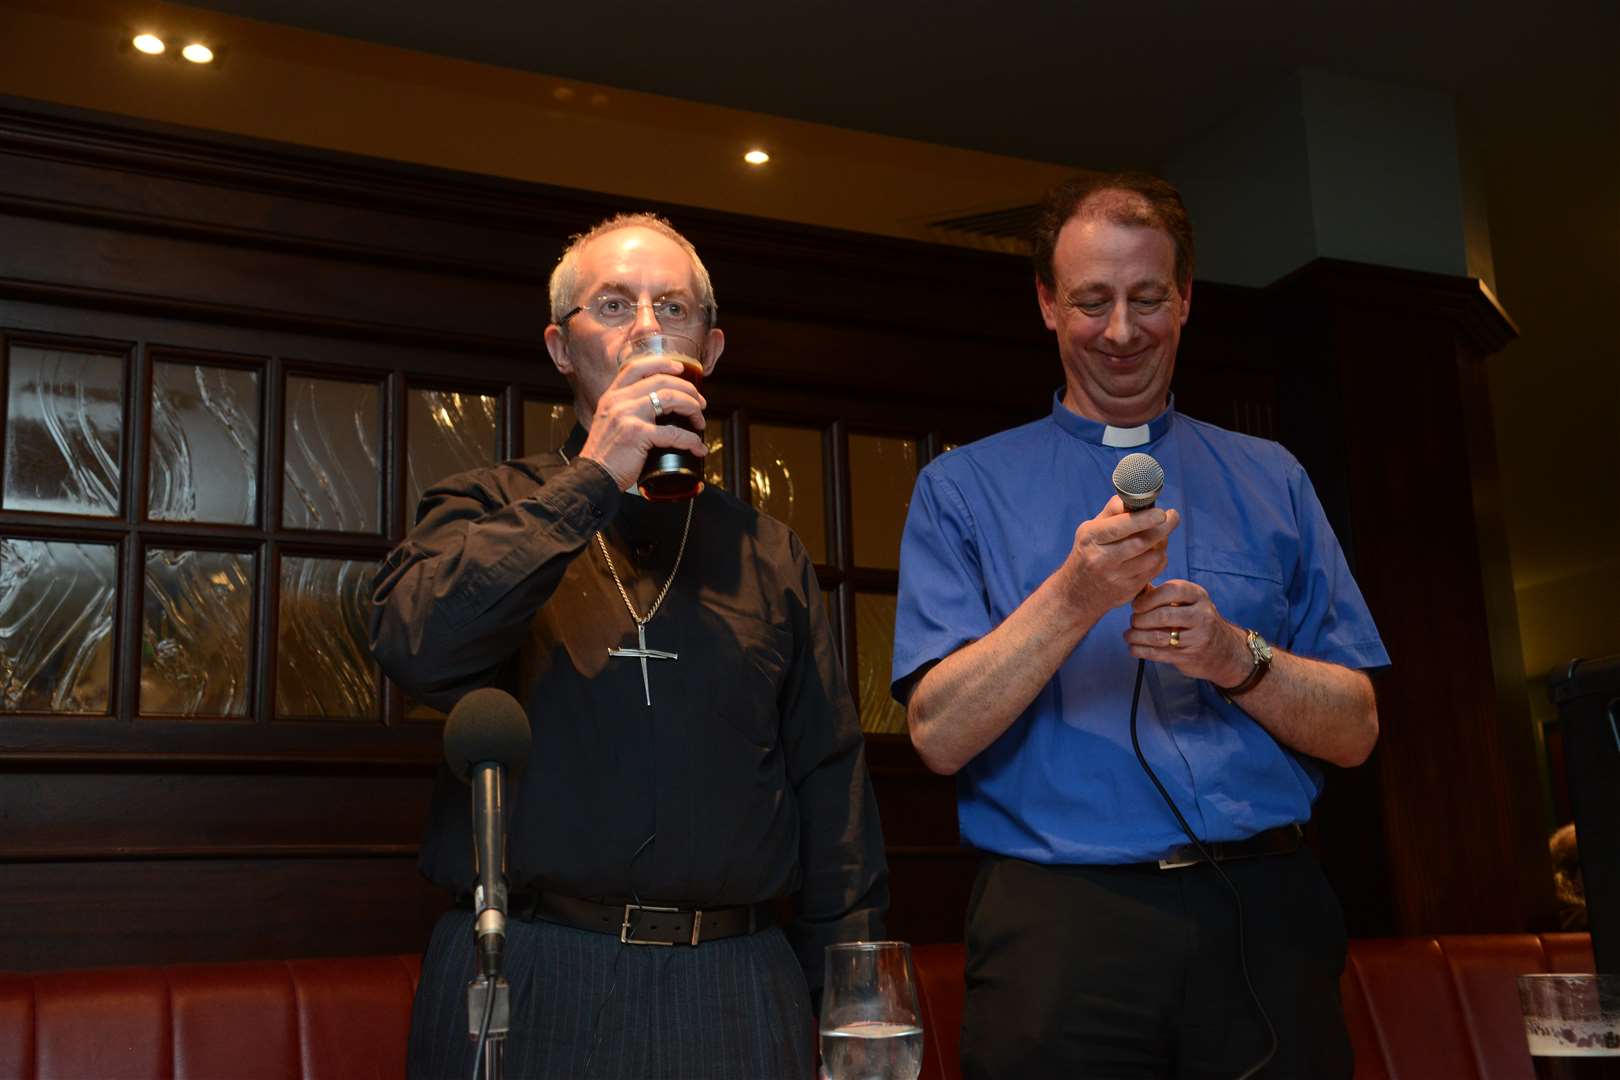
(942, 604)
(1328, 619)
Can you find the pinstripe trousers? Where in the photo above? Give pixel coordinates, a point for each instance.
(585, 1006)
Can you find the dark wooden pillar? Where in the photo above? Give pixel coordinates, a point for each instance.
(1384, 398)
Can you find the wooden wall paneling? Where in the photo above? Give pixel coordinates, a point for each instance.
(1457, 795)
(74, 914)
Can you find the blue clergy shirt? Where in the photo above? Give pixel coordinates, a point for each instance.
(991, 521)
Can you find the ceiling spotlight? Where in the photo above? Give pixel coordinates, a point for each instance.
(197, 53)
(150, 44)
(756, 157)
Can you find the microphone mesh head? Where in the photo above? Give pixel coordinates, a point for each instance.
(487, 725)
(1138, 479)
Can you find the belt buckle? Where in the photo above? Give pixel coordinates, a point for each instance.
(1177, 864)
(624, 927)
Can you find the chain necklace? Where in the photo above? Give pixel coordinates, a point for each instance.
(643, 653)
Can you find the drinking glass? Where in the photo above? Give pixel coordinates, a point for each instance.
(870, 1026)
(1572, 1023)
(670, 475)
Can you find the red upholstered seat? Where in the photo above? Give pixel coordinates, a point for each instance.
(942, 995)
(342, 1018)
(1418, 1009)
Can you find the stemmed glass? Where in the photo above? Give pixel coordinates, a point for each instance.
(871, 1028)
(670, 475)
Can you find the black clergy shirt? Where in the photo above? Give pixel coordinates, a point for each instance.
(746, 778)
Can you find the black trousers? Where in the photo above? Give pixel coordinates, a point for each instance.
(584, 1005)
(1128, 972)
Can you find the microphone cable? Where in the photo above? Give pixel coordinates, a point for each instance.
(1237, 897)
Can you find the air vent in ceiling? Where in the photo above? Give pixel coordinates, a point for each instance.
(1004, 229)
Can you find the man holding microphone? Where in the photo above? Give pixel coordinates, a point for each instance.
(1101, 942)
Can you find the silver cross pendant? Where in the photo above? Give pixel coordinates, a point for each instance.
(644, 654)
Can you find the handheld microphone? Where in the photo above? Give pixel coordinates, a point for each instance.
(1138, 479)
(486, 739)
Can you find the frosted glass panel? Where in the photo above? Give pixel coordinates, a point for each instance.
(64, 431)
(56, 617)
(881, 474)
(195, 632)
(332, 476)
(322, 665)
(874, 641)
(205, 444)
(546, 425)
(446, 433)
(786, 477)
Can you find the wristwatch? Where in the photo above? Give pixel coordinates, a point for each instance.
(1260, 649)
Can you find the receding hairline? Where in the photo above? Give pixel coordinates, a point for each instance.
(563, 287)
(691, 264)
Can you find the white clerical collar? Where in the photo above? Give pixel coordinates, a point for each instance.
(1100, 434)
(1122, 437)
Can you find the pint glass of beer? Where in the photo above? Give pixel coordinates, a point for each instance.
(1572, 1023)
(670, 475)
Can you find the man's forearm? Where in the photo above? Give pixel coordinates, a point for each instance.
(965, 702)
(1320, 709)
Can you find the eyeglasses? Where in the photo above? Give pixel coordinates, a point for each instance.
(672, 313)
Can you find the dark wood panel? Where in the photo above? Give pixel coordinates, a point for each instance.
(95, 914)
(1448, 824)
(85, 813)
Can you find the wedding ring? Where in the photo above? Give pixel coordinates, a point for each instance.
(658, 409)
(1175, 639)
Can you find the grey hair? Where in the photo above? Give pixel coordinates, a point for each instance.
(564, 279)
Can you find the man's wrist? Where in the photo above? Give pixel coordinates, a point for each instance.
(1242, 660)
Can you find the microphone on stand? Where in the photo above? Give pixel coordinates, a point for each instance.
(486, 740)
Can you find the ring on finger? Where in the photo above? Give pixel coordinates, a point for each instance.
(1175, 639)
(658, 407)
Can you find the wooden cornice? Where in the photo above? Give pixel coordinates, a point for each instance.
(1481, 322)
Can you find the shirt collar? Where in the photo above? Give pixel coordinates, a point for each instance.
(1101, 434)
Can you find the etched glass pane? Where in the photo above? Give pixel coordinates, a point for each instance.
(546, 425)
(874, 643)
(64, 431)
(195, 633)
(332, 475)
(446, 433)
(205, 444)
(786, 477)
(881, 474)
(322, 665)
(56, 618)
(714, 466)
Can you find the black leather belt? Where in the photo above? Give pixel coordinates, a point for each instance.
(1282, 840)
(642, 924)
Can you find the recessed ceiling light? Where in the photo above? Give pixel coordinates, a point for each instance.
(756, 157)
(197, 53)
(150, 44)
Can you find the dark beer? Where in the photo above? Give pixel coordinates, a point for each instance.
(1577, 1068)
(672, 475)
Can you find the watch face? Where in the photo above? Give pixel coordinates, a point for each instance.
(1262, 649)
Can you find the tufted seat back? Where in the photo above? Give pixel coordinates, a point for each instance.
(338, 1019)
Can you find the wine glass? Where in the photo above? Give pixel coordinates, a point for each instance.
(670, 475)
(871, 1028)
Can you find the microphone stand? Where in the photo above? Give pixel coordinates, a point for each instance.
(489, 1011)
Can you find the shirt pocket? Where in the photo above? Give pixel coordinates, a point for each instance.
(753, 661)
(1246, 587)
